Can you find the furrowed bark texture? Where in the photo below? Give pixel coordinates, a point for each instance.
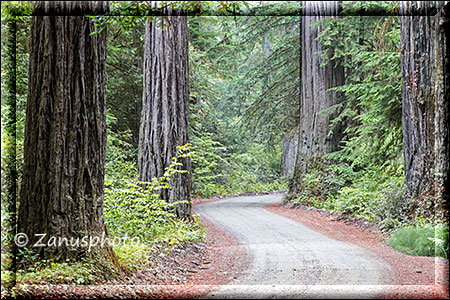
(316, 80)
(425, 105)
(62, 189)
(164, 117)
(289, 155)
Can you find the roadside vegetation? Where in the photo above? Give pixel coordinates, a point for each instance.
(365, 177)
(227, 157)
(130, 211)
(244, 90)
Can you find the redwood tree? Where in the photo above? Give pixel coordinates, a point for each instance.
(164, 116)
(62, 188)
(289, 155)
(425, 114)
(314, 140)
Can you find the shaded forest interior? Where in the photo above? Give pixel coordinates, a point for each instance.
(345, 112)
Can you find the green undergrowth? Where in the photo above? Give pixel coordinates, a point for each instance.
(376, 196)
(370, 194)
(421, 240)
(129, 211)
(138, 212)
(87, 270)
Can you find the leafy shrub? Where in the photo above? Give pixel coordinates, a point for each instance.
(382, 203)
(371, 193)
(133, 256)
(389, 207)
(353, 201)
(323, 182)
(136, 209)
(421, 240)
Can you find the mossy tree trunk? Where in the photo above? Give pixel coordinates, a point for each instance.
(165, 110)
(425, 111)
(314, 140)
(62, 188)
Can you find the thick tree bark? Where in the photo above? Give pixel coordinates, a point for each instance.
(289, 155)
(164, 116)
(425, 106)
(62, 187)
(314, 139)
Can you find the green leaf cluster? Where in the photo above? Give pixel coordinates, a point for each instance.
(135, 209)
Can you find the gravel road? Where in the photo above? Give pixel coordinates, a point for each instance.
(289, 260)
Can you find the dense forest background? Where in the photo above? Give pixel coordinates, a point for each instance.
(245, 119)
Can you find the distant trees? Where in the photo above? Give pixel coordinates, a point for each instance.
(424, 64)
(124, 66)
(62, 188)
(165, 110)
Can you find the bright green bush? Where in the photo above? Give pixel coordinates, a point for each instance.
(135, 209)
(421, 240)
(370, 193)
(353, 201)
(133, 256)
(382, 203)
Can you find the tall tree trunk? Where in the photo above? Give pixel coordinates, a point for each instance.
(314, 140)
(62, 187)
(165, 110)
(289, 155)
(425, 105)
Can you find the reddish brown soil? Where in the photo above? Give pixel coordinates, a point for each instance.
(412, 276)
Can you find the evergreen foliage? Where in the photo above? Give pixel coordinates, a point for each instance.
(365, 176)
(236, 157)
(245, 87)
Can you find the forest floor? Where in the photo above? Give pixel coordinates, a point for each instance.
(199, 269)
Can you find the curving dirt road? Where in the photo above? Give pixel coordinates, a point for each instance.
(289, 260)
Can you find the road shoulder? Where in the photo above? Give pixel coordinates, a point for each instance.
(413, 277)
